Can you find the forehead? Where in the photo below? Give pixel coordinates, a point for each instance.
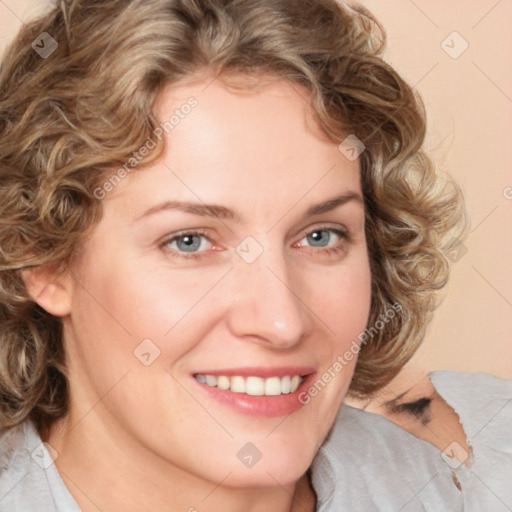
(251, 146)
(275, 112)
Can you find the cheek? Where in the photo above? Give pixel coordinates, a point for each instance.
(122, 304)
(342, 300)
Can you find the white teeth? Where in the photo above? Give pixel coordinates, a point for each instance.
(255, 386)
(273, 386)
(295, 383)
(286, 385)
(238, 385)
(223, 382)
(211, 380)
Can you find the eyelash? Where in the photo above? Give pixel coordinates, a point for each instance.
(338, 248)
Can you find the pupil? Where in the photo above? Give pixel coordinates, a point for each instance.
(319, 238)
(189, 243)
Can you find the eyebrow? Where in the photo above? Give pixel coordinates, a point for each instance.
(221, 212)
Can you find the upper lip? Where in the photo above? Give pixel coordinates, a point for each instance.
(261, 371)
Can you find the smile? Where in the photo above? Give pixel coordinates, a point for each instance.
(252, 385)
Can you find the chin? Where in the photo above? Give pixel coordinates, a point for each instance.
(283, 460)
(273, 473)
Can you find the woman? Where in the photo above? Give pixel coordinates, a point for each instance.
(217, 221)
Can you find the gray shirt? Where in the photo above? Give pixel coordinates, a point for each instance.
(366, 464)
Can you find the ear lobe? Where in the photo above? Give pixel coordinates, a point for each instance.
(50, 289)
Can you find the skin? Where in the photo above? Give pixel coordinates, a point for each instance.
(147, 437)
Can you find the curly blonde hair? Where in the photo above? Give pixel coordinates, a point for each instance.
(69, 118)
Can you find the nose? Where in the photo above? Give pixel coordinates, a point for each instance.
(268, 305)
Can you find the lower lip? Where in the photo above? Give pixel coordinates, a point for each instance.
(262, 406)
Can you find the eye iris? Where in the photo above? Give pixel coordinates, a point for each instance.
(319, 238)
(188, 243)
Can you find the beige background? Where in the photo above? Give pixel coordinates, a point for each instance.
(469, 99)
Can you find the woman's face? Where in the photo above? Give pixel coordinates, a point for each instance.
(226, 274)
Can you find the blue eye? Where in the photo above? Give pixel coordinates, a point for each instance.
(188, 242)
(320, 238)
(324, 237)
(322, 241)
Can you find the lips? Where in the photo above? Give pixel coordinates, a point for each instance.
(267, 392)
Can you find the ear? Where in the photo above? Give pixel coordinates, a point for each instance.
(50, 289)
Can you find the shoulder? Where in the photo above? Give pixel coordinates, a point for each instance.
(475, 386)
(368, 462)
(29, 479)
(483, 402)
(14, 448)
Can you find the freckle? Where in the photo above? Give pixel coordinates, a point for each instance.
(456, 481)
